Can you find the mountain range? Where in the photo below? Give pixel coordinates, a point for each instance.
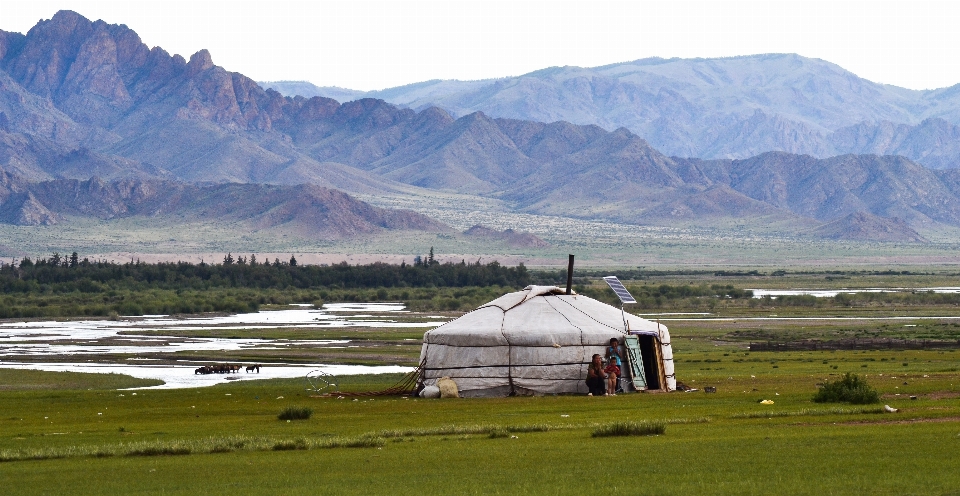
(95, 123)
(733, 107)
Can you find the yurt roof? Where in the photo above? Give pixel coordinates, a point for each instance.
(539, 316)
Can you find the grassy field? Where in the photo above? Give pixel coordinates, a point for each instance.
(224, 439)
(83, 434)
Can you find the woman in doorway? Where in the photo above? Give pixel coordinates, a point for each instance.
(596, 376)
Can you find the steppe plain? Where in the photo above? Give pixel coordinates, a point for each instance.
(85, 434)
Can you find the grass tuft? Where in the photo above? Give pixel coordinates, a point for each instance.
(295, 413)
(642, 428)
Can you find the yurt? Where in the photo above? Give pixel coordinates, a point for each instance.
(540, 341)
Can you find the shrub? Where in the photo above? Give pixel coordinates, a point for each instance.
(630, 429)
(851, 388)
(295, 413)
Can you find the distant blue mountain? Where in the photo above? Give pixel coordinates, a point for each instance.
(733, 107)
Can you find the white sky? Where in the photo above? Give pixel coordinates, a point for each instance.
(374, 44)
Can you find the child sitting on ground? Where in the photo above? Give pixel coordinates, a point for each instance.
(612, 371)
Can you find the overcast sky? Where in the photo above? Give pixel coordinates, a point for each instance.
(378, 44)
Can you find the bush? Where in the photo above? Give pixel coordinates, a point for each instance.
(295, 413)
(630, 429)
(851, 388)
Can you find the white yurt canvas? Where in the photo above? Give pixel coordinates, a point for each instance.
(537, 341)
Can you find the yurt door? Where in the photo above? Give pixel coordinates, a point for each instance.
(632, 345)
(653, 367)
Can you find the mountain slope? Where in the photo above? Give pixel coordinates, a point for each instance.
(311, 210)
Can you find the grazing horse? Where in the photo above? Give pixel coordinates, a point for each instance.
(251, 368)
(219, 368)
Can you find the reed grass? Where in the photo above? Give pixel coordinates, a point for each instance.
(295, 413)
(808, 412)
(216, 444)
(628, 428)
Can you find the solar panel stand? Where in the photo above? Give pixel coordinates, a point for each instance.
(624, 295)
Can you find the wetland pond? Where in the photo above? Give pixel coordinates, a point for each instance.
(114, 346)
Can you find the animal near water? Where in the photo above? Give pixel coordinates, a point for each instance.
(220, 368)
(251, 368)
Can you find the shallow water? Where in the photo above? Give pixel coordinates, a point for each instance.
(830, 293)
(182, 376)
(49, 339)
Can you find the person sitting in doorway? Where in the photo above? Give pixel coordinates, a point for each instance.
(596, 376)
(613, 371)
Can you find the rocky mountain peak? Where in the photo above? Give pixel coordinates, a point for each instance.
(199, 62)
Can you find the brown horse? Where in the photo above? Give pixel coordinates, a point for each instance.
(251, 368)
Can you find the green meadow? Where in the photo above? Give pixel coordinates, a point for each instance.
(69, 433)
(90, 438)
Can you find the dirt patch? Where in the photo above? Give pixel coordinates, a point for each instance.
(940, 395)
(936, 395)
(934, 420)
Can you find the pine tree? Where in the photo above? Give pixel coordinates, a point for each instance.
(293, 261)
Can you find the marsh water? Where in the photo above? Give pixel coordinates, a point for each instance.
(830, 293)
(48, 345)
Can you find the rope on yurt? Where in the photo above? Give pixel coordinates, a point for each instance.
(503, 319)
(407, 385)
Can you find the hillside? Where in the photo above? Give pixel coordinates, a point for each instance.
(312, 210)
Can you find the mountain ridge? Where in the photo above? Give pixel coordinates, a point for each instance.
(80, 99)
(731, 107)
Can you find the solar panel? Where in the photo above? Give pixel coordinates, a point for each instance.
(617, 287)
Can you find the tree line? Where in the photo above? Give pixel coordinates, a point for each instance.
(70, 273)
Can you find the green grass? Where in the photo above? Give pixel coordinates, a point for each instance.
(625, 428)
(13, 379)
(179, 441)
(80, 436)
(295, 413)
